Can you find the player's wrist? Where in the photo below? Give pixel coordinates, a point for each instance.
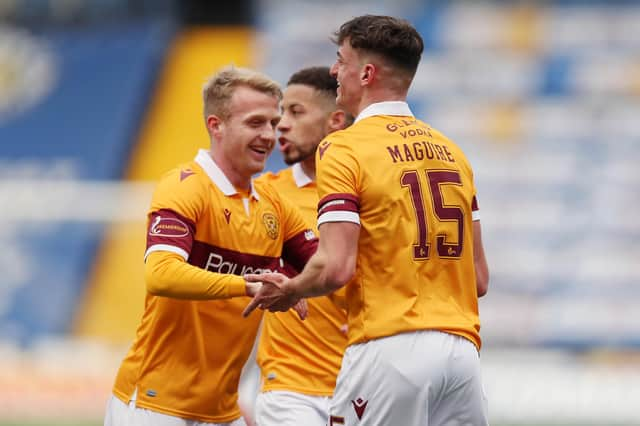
(291, 289)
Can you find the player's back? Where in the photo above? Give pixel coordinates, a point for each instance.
(415, 255)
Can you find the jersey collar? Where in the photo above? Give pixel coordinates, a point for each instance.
(217, 176)
(385, 108)
(299, 176)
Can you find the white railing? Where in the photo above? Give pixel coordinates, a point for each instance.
(73, 200)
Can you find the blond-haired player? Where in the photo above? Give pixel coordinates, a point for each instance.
(399, 222)
(208, 225)
(299, 360)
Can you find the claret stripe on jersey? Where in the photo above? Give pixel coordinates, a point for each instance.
(296, 250)
(475, 209)
(170, 231)
(224, 261)
(339, 208)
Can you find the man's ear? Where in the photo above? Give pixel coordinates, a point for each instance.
(214, 126)
(368, 74)
(337, 121)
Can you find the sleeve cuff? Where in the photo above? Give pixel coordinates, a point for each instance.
(237, 286)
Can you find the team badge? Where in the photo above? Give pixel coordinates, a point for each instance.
(271, 224)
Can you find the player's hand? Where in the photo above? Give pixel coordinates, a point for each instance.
(273, 295)
(251, 288)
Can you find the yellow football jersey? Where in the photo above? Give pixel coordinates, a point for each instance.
(411, 190)
(188, 354)
(294, 355)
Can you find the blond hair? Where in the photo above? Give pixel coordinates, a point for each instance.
(217, 92)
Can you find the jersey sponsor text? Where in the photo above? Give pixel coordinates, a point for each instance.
(217, 263)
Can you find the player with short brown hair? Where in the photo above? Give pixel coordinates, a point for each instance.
(399, 226)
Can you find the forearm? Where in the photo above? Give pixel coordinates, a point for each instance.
(314, 280)
(480, 261)
(167, 274)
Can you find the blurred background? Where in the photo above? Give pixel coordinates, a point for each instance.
(99, 97)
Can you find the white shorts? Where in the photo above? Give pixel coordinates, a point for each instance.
(121, 414)
(282, 408)
(422, 378)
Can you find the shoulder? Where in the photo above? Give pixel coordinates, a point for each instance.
(274, 192)
(455, 150)
(186, 175)
(344, 148)
(263, 185)
(186, 182)
(453, 146)
(282, 182)
(344, 136)
(337, 144)
(274, 178)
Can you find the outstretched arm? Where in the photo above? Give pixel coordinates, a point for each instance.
(334, 263)
(331, 267)
(167, 274)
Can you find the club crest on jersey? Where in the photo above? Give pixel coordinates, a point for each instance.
(271, 224)
(168, 227)
(359, 406)
(309, 235)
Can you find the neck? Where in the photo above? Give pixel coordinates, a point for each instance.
(380, 95)
(237, 180)
(309, 167)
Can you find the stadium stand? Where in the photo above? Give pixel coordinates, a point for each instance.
(163, 143)
(81, 129)
(544, 99)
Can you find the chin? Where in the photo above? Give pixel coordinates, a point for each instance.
(290, 161)
(258, 168)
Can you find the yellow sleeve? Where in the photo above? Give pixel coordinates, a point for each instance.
(167, 274)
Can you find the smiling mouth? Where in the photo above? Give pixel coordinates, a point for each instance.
(260, 150)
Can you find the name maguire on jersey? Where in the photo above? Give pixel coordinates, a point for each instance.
(419, 150)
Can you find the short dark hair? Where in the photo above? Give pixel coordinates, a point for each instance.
(318, 78)
(396, 40)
